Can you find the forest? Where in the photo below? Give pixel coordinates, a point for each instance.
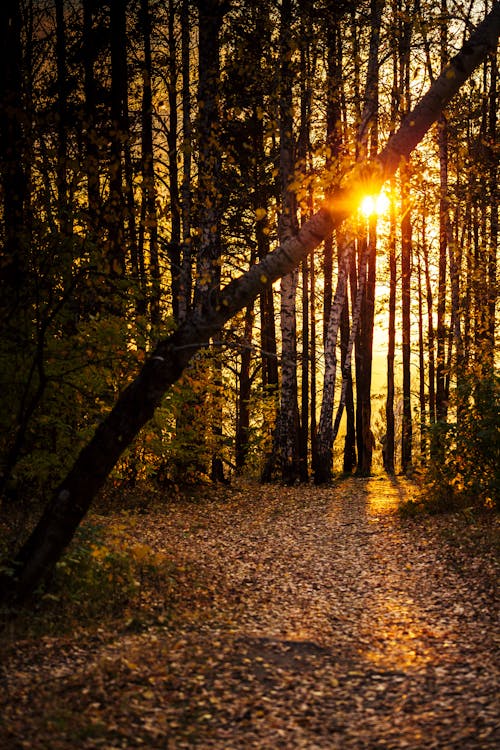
(154, 152)
(248, 319)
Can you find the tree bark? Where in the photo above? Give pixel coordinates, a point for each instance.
(389, 443)
(13, 123)
(368, 143)
(62, 124)
(115, 211)
(406, 264)
(174, 246)
(288, 418)
(149, 220)
(91, 138)
(244, 392)
(421, 358)
(185, 281)
(493, 196)
(442, 134)
(210, 18)
(323, 471)
(138, 401)
(356, 320)
(430, 330)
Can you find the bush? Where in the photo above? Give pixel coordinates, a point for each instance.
(464, 466)
(105, 576)
(95, 577)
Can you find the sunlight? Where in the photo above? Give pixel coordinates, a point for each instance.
(374, 204)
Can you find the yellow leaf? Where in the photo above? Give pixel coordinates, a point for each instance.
(260, 213)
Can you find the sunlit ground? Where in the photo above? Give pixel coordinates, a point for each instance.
(402, 637)
(400, 634)
(384, 495)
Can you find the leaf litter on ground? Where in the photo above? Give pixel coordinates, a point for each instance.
(292, 618)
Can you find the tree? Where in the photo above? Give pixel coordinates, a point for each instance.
(148, 213)
(368, 144)
(164, 365)
(13, 124)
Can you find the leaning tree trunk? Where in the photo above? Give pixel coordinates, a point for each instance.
(138, 401)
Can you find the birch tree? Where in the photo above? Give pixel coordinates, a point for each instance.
(286, 441)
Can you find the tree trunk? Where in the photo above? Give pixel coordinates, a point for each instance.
(115, 212)
(148, 220)
(389, 442)
(288, 420)
(325, 433)
(493, 195)
(406, 262)
(13, 121)
(62, 123)
(356, 320)
(185, 281)
(304, 149)
(313, 426)
(138, 401)
(421, 359)
(91, 138)
(304, 410)
(442, 132)
(244, 392)
(368, 143)
(210, 17)
(430, 331)
(349, 460)
(174, 246)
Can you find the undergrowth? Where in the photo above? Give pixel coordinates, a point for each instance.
(105, 576)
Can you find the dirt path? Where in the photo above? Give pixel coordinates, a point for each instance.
(302, 619)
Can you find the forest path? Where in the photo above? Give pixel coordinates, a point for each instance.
(302, 618)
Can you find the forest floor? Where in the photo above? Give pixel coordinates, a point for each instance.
(290, 618)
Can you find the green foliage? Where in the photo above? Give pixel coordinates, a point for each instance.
(105, 574)
(96, 576)
(464, 468)
(61, 367)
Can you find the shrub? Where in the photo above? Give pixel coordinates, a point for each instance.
(464, 467)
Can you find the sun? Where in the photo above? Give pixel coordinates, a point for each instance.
(374, 204)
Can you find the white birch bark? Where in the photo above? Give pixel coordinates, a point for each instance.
(356, 315)
(325, 434)
(287, 428)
